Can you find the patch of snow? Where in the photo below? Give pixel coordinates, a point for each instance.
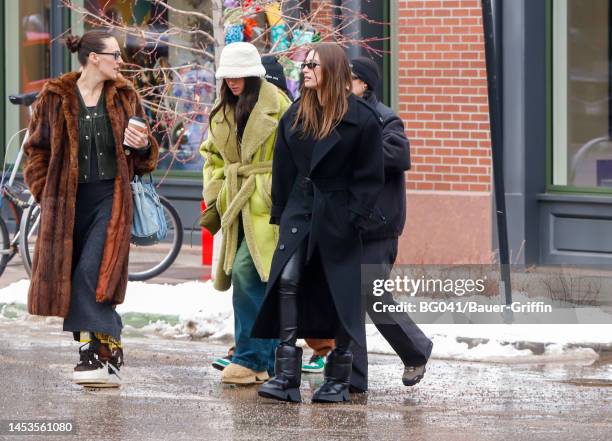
(204, 312)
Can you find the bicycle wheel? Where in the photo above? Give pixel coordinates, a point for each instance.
(6, 249)
(147, 262)
(28, 232)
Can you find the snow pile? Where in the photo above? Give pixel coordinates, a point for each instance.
(504, 343)
(16, 292)
(203, 312)
(199, 311)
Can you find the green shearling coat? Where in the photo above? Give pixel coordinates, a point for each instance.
(238, 179)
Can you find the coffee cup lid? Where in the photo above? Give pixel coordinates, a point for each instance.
(137, 119)
(138, 122)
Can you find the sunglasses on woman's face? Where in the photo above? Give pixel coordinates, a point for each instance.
(116, 54)
(310, 65)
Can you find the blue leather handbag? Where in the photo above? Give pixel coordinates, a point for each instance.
(149, 224)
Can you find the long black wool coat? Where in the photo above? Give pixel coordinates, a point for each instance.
(324, 192)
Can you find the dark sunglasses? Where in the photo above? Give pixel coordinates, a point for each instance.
(312, 65)
(116, 54)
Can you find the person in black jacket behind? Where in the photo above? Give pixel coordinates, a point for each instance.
(380, 243)
(275, 74)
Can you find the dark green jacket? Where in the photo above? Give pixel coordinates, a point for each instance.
(96, 143)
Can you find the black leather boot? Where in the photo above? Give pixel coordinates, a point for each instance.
(337, 378)
(285, 385)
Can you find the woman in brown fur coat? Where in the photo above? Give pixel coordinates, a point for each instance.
(79, 171)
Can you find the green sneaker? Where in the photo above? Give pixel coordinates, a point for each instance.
(316, 364)
(222, 363)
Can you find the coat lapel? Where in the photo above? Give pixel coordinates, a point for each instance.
(260, 124)
(66, 88)
(323, 146)
(223, 138)
(113, 111)
(259, 127)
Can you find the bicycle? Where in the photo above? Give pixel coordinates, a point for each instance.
(142, 266)
(11, 192)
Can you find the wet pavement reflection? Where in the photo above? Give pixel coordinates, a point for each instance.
(171, 392)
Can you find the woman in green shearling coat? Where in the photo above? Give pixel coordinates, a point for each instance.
(237, 184)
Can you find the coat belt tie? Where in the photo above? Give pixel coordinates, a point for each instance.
(316, 188)
(237, 196)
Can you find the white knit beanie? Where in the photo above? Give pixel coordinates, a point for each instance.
(240, 60)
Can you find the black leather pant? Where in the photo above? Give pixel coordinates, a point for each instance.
(288, 285)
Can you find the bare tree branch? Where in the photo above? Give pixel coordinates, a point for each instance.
(178, 98)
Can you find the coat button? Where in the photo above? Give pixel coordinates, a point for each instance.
(86, 137)
(281, 246)
(101, 153)
(294, 230)
(127, 152)
(85, 156)
(87, 117)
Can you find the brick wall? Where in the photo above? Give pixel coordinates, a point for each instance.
(443, 101)
(443, 94)
(325, 15)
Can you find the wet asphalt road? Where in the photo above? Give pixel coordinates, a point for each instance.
(170, 392)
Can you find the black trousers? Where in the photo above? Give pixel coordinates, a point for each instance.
(407, 340)
(288, 285)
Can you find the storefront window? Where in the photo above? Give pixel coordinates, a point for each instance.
(27, 64)
(170, 53)
(582, 129)
(35, 44)
(165, 60)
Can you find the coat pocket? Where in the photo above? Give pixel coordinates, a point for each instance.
(262, 199)
(340, 215)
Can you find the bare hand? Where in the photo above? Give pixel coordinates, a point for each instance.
(135, 138)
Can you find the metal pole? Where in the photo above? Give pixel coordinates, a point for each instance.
(491, 54)
(56, 27)
(353, 30)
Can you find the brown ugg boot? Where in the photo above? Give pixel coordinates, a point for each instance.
(237, 374)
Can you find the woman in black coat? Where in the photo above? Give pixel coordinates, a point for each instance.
(326, 175)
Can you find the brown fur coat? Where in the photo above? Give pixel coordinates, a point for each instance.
(51, 173)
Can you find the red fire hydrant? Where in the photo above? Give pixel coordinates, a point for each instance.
(207, 241)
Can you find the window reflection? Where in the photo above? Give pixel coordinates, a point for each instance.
(589, 147)
(176, 81)
(35, 44)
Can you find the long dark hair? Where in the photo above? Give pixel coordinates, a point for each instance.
(92, 41)
(242, 105)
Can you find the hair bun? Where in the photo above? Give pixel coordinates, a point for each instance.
(73, 42)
